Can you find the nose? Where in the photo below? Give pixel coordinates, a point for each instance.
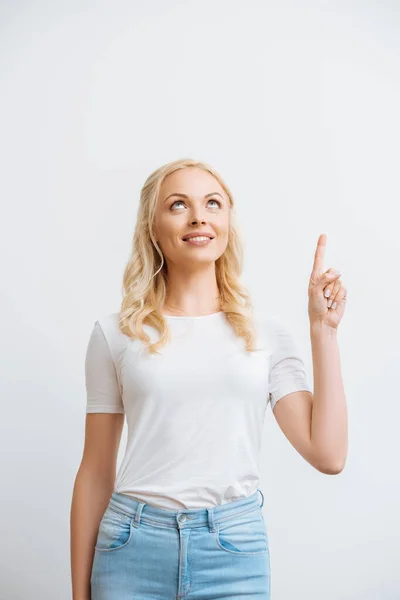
(196, 221)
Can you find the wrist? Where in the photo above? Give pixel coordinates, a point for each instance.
(321, 329)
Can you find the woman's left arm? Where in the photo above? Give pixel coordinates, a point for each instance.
(326, 305)
(329, 434)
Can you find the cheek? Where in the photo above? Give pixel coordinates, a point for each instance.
(222, 242)
(221, 225)
(167, 230)
(223, 233)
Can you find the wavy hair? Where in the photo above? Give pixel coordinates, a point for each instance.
(145, 277)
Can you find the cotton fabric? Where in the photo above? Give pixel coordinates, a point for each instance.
(195, 411)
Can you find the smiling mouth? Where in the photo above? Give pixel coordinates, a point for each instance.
(193, 238)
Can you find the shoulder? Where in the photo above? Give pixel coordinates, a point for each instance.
(108, 325)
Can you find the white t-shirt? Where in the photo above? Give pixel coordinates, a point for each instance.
(195, 411)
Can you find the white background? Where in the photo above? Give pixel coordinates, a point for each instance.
(296, 104)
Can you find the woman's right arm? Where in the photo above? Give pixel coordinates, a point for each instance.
(94, 484)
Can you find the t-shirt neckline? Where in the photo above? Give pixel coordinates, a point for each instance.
(192, 317)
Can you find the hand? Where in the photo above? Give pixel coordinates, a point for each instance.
(320, 283)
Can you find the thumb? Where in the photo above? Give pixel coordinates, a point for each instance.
(330, 276)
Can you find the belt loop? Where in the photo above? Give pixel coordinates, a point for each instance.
(138, 514)
(211, 523)
(262, 502)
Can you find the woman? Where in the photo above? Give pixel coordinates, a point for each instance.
(192, 367)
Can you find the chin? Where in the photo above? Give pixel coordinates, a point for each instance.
(205, 259)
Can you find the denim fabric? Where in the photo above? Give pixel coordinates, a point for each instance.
(144, 552)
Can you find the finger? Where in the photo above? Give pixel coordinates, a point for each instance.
(319, 256)
(328, 289)
(335, 290)
(326, 281)
(341, 297)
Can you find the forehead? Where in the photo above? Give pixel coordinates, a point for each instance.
(191, 180)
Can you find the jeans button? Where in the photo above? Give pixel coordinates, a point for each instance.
(182, 518)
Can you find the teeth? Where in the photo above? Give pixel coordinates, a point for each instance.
(199, 238)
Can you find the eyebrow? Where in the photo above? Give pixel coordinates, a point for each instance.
(186, 196)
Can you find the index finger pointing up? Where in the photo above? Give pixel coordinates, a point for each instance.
(318, 266)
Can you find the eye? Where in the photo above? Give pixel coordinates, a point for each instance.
(214, 200)
(176, 202)
(181, 202)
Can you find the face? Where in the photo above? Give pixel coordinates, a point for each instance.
(203, 207)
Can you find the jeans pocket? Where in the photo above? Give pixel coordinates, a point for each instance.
(115, 530)
(245, 534)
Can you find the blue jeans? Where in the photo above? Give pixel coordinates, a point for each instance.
(144, 552)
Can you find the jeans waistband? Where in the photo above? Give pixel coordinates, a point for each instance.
(184, 518)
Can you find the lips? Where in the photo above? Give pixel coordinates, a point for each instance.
(192, 235)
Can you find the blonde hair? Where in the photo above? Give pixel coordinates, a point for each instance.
(145, 277)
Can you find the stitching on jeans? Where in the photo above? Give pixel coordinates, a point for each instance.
(118, 510)
(121, 511)
(152, 521)
(237, 515)
(238, 552)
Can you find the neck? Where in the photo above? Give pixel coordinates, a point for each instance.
(193, 292)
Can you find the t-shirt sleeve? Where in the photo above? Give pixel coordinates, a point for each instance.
(102, 388)
(287, 371)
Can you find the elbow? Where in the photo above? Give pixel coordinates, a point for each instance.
(329, 465)
(332, 468)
